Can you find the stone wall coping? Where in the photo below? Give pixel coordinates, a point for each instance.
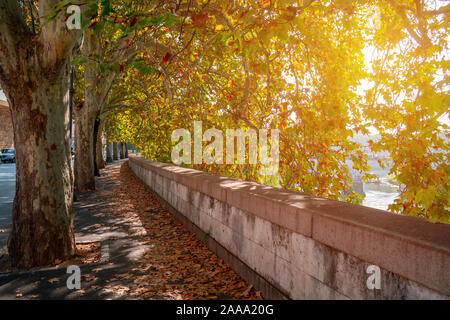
(414, 229)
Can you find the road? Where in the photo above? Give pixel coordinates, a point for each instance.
(7, 191)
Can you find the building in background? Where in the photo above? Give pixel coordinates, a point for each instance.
(6, 128)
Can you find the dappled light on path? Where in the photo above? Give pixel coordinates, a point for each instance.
(177, 265)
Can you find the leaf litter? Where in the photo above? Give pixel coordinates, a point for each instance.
(178, 265)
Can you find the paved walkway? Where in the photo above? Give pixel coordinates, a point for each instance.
(98, 280)
(145, 253)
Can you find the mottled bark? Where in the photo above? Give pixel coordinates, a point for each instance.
(34, 74)
(97, 86)
(85, 119)
(99, 158)
(84, 148)
(42, 229)
(94, 145)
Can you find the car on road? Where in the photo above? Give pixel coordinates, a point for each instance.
(7, 155)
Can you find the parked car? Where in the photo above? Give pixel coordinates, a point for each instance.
(7, 155)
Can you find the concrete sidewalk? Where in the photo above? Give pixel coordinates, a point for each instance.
(120, 249)
(145, 252)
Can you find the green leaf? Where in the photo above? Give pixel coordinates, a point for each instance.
(107, 8)
(79, 60)
(142, 68)
(99, 27)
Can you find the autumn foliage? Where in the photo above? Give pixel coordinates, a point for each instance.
(321, 72)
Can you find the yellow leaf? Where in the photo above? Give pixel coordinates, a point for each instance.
(219, 27)
(53, 280)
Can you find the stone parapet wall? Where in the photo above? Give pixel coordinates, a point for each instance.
(302, 246)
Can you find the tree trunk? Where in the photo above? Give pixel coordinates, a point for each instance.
(87, 125)
(122, 151)
(42, 228)
(108, 152)
(84, 148)
(95, 147)
(100, 159)
(34, 74)
(115, 151)
(126, 150)
(97, 86)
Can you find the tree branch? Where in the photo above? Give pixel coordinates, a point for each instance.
(223, 17)
(58, 41)
(421, 39)
(110, 108)
(13, 31)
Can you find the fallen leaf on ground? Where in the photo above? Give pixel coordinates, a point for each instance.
(178, 265)
(247, 291)
(89, 278)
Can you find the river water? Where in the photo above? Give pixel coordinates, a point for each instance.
(382, 193)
